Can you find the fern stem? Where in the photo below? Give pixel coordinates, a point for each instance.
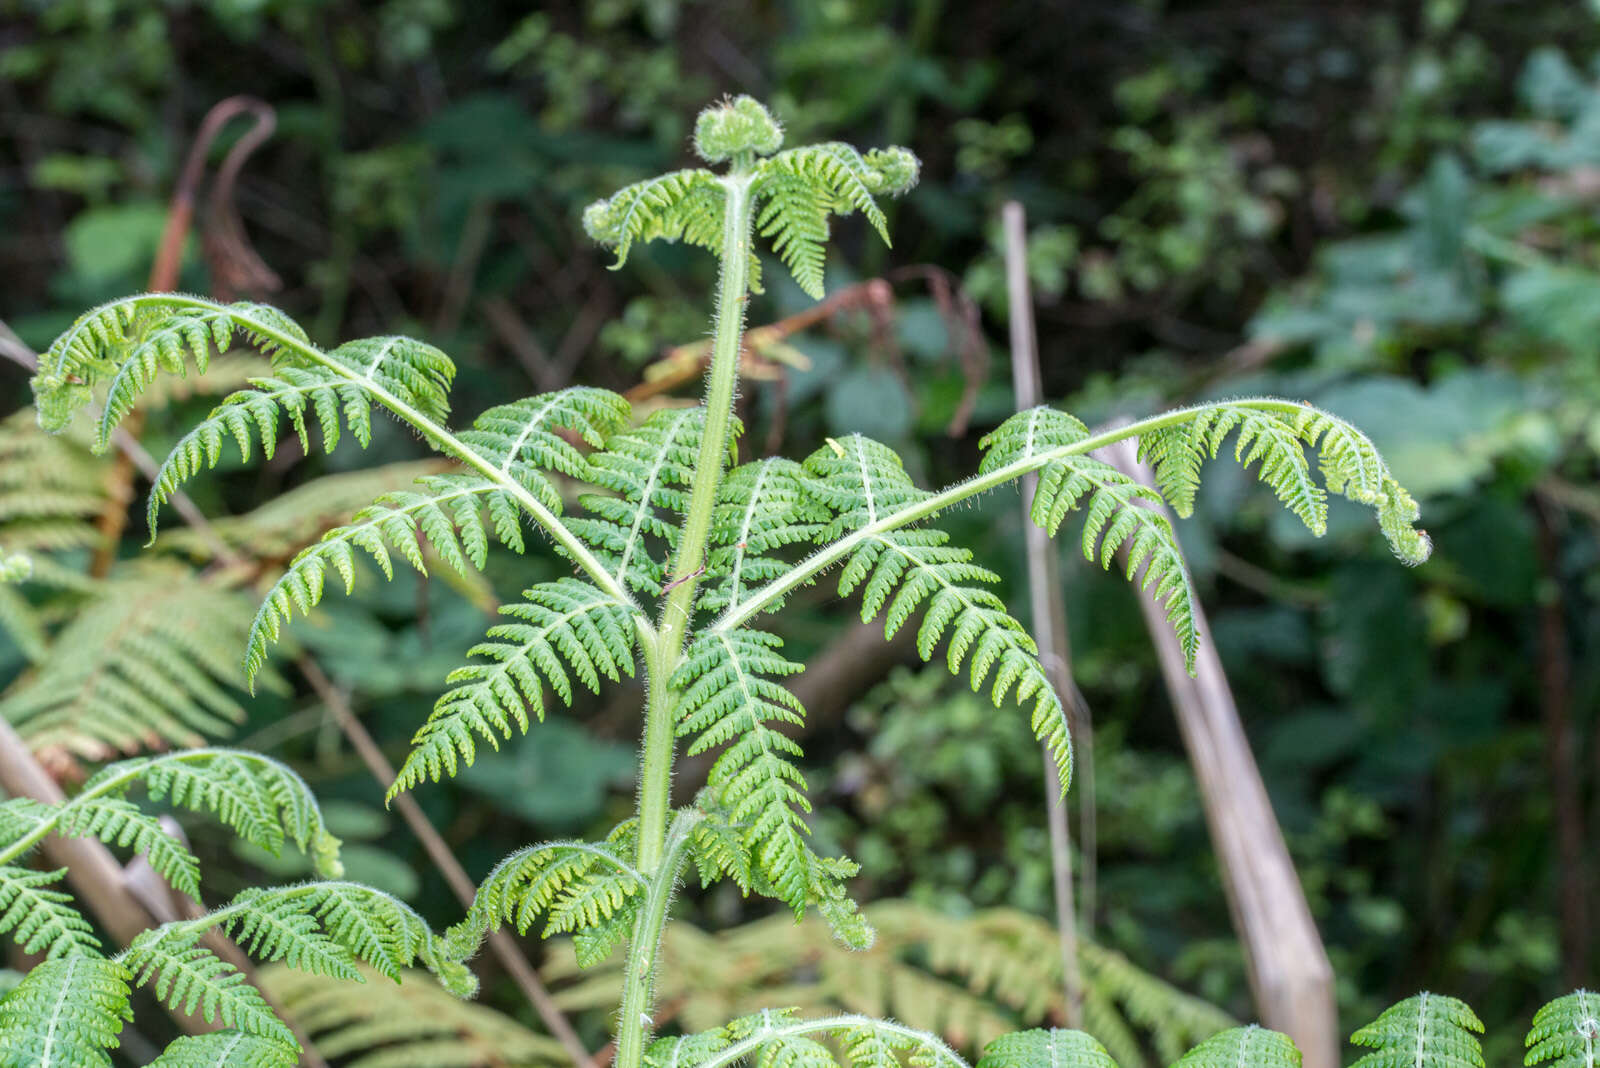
(655, 780)
(807, 570)
(638, 985)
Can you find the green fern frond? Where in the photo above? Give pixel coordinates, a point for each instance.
(227, 1049)
(127, 342)
(901, 571)
(560, 629)
(264, 801)
(1566, 1032)
(647, 469)
(728, 696)
(190, 978)
(1425, 1031)
(153, 660)
(1039, 1048)
(1255, 1046)
(295, 393)
(65, 1013)
(718, 848)
(445, 510)
(40, 919)
(412, 1024)
(681, 206)
(411, 370)
(575, 884)
(116, 821)
(798, 190)
(1177, 453)
(525, 436)
(761, 507)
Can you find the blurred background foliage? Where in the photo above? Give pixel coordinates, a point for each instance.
(1389, 209)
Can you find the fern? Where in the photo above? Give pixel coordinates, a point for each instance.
(1253, 1046)
(1045, 1049)
(148, 662)
(761, 507)
(1566, 1032)
(1426, 1031)
(778, 1040)
(227, 1049)
(295, 393)
(65, 1013)
(413, 1023)
(559, 628)
(647, 469)
(860, 480)
(40, 919)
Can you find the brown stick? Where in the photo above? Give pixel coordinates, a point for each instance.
(1561, 753)
(1049, 615)
(1288, 967)
(500, 943)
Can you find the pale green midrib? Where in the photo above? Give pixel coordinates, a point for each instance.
(818, 562)
(448, 443)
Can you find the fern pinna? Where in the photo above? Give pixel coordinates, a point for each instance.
(678, 562)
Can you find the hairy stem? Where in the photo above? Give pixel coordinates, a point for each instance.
(638, 984)
(655, 782)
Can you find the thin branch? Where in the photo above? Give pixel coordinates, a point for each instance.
(444, 859)
(1049, 623)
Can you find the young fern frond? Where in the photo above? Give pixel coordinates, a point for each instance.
(150, 661)
(681, 206)
(575, 885)
(761, 507)
(66, 1013)
(52, 487)
(900, 571)
(1425, 1031)
(799, 189)
(647, 469)
(1040, 1048)
(1566, 1032)
(560, 629)
(227, 1049)
(728, 695)
(1253, 1045)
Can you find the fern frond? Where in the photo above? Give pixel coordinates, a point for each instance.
(227, 1049)
(116, 821)
(901, 571)
(1039, 1048)
(413, 371)
(1425, 1031)
(560, 627)
(40, 919)
(524, 436)
(153, 658)
(647, 469)
(190, 978)
(761, 507)
(576, 885)
(66, 1013)
(684, 205)
(298, 393)
(415, 1023)
(728, 696)
(1566, 1032)
(1255, 1046)
(263, 800)
(446, 511)
(1177, 452)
